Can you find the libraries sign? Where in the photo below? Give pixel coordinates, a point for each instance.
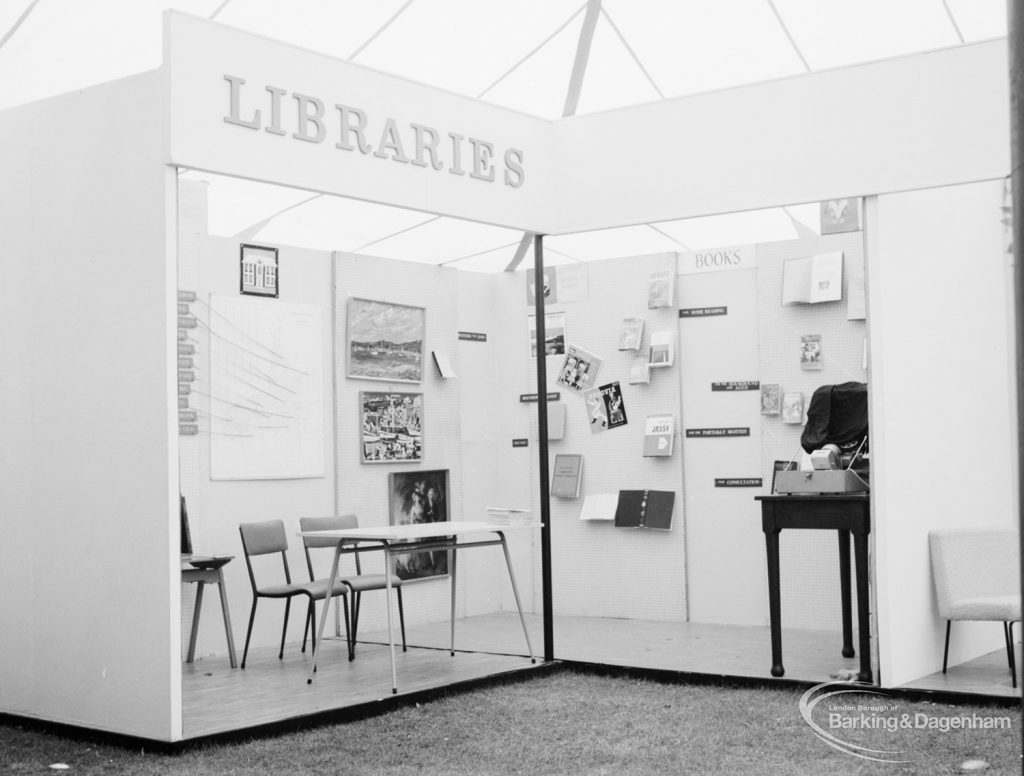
(316, 119)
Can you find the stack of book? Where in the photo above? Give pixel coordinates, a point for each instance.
(503, 516)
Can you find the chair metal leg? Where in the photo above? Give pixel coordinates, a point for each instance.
(357, 602)
(349, 638)
(310, 624)
(401, 617)
(248, 631)
(284, 628)
(945, 653)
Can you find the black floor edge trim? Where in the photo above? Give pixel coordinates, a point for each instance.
(391, 702)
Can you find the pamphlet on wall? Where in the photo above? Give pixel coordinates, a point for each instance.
(811, 353)
(579, 370)
(659, 433)
(600, 507)
(771, 398)
(631, 334)
(814, 279)
(661, 291)
(662, 349)
(567, 475)
(793, 408)
(640, 371)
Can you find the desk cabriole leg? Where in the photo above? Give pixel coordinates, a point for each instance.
(860, 551)
(454, 555)
(515, 592)
(771, 539)
(844, 587)
(391, 628)
(195, 623)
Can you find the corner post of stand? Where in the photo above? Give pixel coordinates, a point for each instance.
(542, 448)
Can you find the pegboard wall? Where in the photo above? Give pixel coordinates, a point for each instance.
(809, 559)
(600, 570)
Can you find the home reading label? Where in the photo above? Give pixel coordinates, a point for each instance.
(473, 336)
(553, 396)
(737, 385)
(702, 312)
(520, 442)
(737, 482)
(718, 432)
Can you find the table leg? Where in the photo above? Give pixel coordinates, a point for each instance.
(771, 539)
(323, 614)
(227, 618)
(454, 555)
(195, 623)
(844, 587)
(860, 551)
(515, 592)
(391, 626)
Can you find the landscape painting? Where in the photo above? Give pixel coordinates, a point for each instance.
(385, 341)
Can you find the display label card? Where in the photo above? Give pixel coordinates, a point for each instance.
(187, 416)
(520, 443)
(718, 432)
(473, 336)
(737, 385)
(184, 389)
(525, 397)
(186, 296)
(737, 482)
(702, 312)
(183, 402)
(186, 349)
(187, 322)
(188, 429)
(186, 376)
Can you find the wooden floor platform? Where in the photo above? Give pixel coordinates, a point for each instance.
(218, 699)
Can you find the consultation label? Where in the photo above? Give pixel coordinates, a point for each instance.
(737, 482)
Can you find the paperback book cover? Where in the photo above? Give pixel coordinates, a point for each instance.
(645, 509)
(771, 398)
(605, 407)
(567, 475)
(631, 334)
(659, 432)
(662, 349)
(793, 408)
(640, 371)
(661, 290)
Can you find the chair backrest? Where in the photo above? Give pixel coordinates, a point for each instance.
(333, 523)
(263, 539)
(974, 563)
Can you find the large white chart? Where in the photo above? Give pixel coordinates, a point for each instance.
(266, 389)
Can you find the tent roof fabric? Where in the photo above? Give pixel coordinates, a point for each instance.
(519, 55)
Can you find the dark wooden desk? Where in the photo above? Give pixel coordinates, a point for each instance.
(848, 514)
(203, 577)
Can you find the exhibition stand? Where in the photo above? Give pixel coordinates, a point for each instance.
(266, 381)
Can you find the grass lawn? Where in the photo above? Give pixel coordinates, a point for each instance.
(567, 723)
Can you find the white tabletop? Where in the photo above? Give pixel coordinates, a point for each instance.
(416, 530)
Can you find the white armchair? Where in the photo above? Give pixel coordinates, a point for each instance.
(977, 577)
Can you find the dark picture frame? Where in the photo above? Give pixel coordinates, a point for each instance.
(419, 497)
(392, 427)
(385, 341)
(258, 272)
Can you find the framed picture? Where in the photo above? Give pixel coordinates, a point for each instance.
(385, 341)
(419, 497)
(258, 271)
(392, 427)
